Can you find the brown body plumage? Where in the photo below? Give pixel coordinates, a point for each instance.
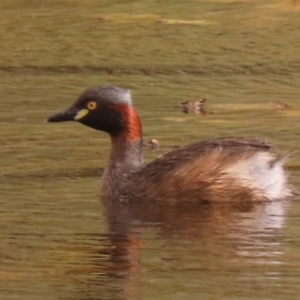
(225, 169)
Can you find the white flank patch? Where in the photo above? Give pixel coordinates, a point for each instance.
(258, 172)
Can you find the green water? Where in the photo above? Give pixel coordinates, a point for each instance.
(243, 56)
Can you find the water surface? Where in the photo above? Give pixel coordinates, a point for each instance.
(243, 56)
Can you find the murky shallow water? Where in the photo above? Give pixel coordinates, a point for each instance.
(243, 56)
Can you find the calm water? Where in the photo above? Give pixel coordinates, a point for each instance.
(243, 56)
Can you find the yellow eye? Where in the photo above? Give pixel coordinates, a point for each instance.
(92, 105)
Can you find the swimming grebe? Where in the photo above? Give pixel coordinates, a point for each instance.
(221, 169)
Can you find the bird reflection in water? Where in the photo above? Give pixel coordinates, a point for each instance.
(240, 233)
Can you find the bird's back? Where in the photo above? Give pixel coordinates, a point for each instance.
(224, 169)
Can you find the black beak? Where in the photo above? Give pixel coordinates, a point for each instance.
(67, 115)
